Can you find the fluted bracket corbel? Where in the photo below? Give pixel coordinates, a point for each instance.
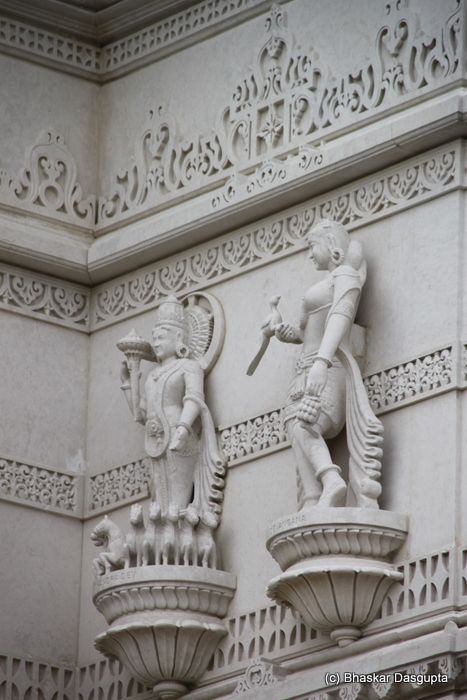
(336, 566)
(165, 622)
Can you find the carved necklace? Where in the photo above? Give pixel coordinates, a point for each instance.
(159, 372)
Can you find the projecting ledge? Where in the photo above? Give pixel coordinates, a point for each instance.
(153, 233)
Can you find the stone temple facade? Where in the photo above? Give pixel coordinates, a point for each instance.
(165, 171)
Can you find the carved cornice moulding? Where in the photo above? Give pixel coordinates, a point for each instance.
(42, 46)
(288, 101)
(415, 180)
(138, 49)
(265, 139)
(21, 676)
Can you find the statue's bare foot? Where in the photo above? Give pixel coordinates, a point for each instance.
(334, 490)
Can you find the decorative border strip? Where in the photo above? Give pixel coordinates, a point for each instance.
(258, 435)
(48, 184)
(91, 680)
(389, 389)
(371, 198)
(47, 489)
(428, 587)
(70, 54)
(264, 119)
(38, 296)
(117, 486)
(407, 383)
(122, 56)
(44, 298)
(443, 672)
(20, 677)
(23, 679)
(171, 31)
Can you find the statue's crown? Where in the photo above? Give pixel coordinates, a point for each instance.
(170, 313)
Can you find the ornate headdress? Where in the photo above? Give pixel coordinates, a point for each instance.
(171, 313)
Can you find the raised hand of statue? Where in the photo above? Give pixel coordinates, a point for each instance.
(180, 439)
(286, 333)
(317, 377)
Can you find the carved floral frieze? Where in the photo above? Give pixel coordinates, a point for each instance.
(286, 102)
(266, 134)
(235, 253)
(40, 487)
(48, 184)
(430, 374)
(232, 254)
(260, 673)
(239, 442)
(44, 298)
(401, 383)
(118, 485)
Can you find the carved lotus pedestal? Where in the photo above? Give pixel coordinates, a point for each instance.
(336, 566)
(165, 622)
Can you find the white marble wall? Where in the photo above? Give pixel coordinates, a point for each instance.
(62, 407)
(43, 381)
(36, 99)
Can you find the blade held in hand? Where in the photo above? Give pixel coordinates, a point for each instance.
(257, 358)
(267, 329)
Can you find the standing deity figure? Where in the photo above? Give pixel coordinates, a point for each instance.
(187, 468)
(327, 390)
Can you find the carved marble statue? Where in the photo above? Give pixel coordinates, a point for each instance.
(180, 441)
(169, 613)
(327, 389)
(186, 465)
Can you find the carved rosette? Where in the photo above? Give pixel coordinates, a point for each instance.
(165, 622)
(336, 564)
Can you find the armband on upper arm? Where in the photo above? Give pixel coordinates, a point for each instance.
(344, 308)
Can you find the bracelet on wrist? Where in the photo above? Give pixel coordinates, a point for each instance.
(181, 424)
(323, 359)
